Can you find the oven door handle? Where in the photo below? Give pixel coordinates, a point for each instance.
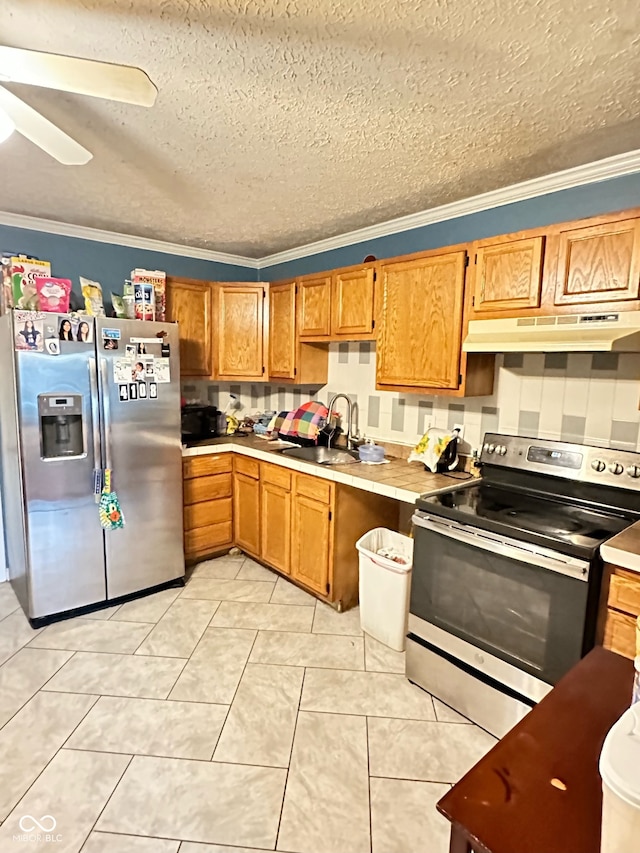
(571, 567)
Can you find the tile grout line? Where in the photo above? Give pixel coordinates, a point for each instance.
(235, 693)
(293, 740)
(366, 723)
(26, 791)
(93, 826)
(42, 687)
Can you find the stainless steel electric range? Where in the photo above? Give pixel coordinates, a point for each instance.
(507, 573)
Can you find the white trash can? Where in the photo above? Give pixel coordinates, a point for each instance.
(385, 586)
(620, 771)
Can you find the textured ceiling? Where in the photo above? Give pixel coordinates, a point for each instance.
(279, 123)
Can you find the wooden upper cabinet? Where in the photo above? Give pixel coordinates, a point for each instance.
(314, 307)
(419, 340)
(282, 330)
(239, 338)
(508, 276)
(352, 303)
(189, 303)
(599, 263)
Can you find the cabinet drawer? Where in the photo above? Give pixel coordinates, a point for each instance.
(206, 513)
(276, 476)
(624, 592)
(248, 467)
(620, 633)
(203, 540)
(199, 466)
(314, 487)
(207, 488)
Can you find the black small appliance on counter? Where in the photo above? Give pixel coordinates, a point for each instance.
(200, 422)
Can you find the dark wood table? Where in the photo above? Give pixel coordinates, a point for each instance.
(538, 790)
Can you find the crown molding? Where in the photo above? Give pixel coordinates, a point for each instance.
(590, 173)
(64, 229)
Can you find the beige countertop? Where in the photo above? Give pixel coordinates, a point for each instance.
(398, 479)
(624, 549)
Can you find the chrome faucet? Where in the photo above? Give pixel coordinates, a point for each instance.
(349, 417)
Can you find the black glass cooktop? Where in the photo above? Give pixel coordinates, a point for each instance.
(551, 521)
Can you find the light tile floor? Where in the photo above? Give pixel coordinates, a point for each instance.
(238, 714)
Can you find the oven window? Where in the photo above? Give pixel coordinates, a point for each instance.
(529, 616)
(502, 612)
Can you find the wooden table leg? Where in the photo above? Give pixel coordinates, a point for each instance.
(458, 842)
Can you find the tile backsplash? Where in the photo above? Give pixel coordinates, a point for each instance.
(587, 398)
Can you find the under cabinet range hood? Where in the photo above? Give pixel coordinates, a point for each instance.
(564, 333)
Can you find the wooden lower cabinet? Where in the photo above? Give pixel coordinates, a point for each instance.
(312, 538)
(208, 505)
(308, 527)
(246, 499)
(302, 526)
(620, 608)
(275, 523)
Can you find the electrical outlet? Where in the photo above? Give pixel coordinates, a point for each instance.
(460, 428)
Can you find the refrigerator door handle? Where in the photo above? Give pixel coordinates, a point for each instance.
(106, 412)
(95, 429)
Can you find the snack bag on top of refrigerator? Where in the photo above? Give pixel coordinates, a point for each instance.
(53, 294)
(92, 292)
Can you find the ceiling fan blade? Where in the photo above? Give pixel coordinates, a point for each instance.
(81, 76)
(42, 132)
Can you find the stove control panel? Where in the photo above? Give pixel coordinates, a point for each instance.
(581, 462)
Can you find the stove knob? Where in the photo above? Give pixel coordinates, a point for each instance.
(616, 468)
(501, 449)
(598, 465)
(489, 448)
(634, 471)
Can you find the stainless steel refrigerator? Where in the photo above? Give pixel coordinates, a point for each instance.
(74, 401)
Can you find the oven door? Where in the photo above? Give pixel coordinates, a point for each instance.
(522, 604)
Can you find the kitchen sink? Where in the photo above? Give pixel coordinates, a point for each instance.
(321, 455)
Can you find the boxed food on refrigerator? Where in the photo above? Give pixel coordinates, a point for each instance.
(158, 280)
(144, 301)
(19, 273)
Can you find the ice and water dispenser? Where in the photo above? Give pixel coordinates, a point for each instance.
(61, 427)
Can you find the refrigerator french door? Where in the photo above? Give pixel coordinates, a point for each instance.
(141, 444)
(62, 419)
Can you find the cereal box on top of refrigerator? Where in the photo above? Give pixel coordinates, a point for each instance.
(19, 273)
(158, 280)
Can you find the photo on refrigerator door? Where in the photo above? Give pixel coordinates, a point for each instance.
(29, 331)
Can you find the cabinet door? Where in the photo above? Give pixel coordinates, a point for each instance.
(276, 526)
(314, 300)
(189, 303)
(508, 275)
(311, 543)
(282, 330)
(352, 303)
(240, 331)
(421, 322)
(600, 263)
(246, 513)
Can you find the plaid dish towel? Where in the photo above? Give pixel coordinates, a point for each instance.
(305, 422)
